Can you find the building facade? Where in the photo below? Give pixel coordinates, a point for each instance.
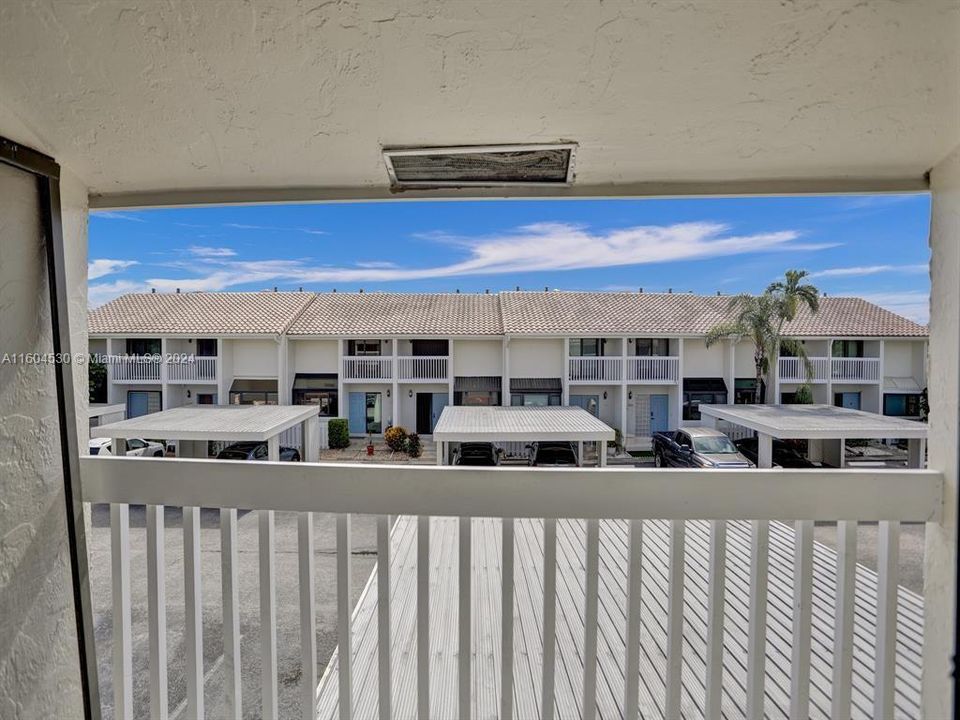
(639, 361)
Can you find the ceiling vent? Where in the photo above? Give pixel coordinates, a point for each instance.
(481, 166)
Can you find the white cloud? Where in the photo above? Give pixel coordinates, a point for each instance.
(376, 264)
(104, 266)
(913, 304)
(859, 202)
(202, 251)
(862, 270)
(109, 215)
(245, 226)
(105, 292)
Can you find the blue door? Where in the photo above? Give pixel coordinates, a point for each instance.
(590, 403)
(439, 403)
(659, 413)
(849, 400)
(358, 413)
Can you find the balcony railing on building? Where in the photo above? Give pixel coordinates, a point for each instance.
(194, 369)
(423, 368)
(368, 368)
(596, 369)
(653, 369)
(136, 368)
(657, 370)
(822, 369)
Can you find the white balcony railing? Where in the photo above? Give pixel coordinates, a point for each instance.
(653, 369)
(367, 368)
(196, 369)
(136, 368)
(595, 369)
(855, 369)
(793, 369)
(422, 367)
(742, 651)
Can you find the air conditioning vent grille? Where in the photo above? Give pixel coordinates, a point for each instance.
(507, 165)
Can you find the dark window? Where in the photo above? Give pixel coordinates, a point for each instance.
(535, 399)
(901, 405)
(683, 440)
(476, 397)
(143, 346)
(847, 348)
(652, 347)
(702, 391)
(420, 348)
(317, 389)
(744, 392)
(587, 347)
(206, 347)
(364, 347)
(253, 392)
(204, 399)
(788, 398)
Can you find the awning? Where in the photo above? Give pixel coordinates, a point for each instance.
(250, 385)
(716, 385)
(536, 385)
(482, 383)
(901, 384)
(315, 381)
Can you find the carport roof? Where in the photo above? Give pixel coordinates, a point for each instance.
(491, 424)
(234, 422)
(815, 422)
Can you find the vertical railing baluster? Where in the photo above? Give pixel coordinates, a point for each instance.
(122, 643)
(308, 616)
(385, 698)
(423, 617)
(344, 612)
(157, 612)
(268, 617)
(230, 589)
(844, 615)
(506, 621)
(675, 620)
(549, 617)
(193, 612)
(757, 632)
(634, 589)
(888, 556)
(464, 619)
(802, 614)
(715, 617)
(592, 586)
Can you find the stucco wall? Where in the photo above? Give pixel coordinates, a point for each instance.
(254, 358)
(536, 358)
(477, 357)
(701, 361)
(314, 356)
(898, 360)
(39, 672)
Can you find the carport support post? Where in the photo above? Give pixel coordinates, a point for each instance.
(815, 450)
(441, 451)
(915, 448)
(311, 439)
(273, 448)
(580, 453)
(764, 450)
(602, 454)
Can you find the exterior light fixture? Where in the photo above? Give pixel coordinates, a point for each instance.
(630, 395)
(604, 394)
(410, 393)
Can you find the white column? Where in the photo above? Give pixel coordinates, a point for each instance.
(112, 393)
(342, 407)
(450, 376)
(680, 382)
(164, 385)
(505, 388)
(880, 380)
(731, 378)
(829, 371)
(944, 382)
(565, 375)
(283, 384)
(623, 389)
(395, 385)
(223, 382)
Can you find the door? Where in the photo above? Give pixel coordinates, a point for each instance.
(437, 405)
(659, 413)
(424, 413)
(358, 413)
(590, 403)
(848, 400)
(142, 402)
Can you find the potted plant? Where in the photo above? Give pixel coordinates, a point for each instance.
(369, 444)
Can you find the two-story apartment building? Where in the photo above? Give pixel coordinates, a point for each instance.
(639, 361)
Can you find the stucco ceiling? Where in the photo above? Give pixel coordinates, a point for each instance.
(144, 96)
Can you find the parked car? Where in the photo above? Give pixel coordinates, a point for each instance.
(696, 448)
(785, 455)
(477, 453)
(255, 451)
(552, 454)
(135, 446)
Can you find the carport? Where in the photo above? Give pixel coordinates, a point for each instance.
(825, 427)
(496, 424)
(194, 426)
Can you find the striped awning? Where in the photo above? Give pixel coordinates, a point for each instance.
(477, 383)
(539, 385)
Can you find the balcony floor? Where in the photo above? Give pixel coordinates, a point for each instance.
(570, 600)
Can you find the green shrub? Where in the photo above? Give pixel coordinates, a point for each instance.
(803, 396)
(414, 445)
(338, 433)
(396, 438)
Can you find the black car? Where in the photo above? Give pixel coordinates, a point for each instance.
(785, 455)
(255, 451)
(553, 454)
(482, 454)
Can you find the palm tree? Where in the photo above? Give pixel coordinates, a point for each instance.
(761, 318)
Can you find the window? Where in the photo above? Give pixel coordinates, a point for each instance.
(206, 399)
(652, 347)
(135, 444)
(535, 399)
(143, 402)
(143, 346)
(206, 347)
(477, 398)
(683, 440)
(317, 389)
(428, 348)
(702, 391)
(587, 347)
(364, 347)
(744, 391)
(253, 392)
(901, 404)
(374, 418)
(847, 348)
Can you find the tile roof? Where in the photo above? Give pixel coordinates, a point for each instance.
(400, 314)
(227, 313)
(432, 314)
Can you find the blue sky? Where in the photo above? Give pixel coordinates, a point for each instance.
(871, 246)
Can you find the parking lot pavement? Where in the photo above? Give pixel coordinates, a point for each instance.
(287, 604)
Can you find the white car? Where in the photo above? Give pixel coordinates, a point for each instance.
(135, 446)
